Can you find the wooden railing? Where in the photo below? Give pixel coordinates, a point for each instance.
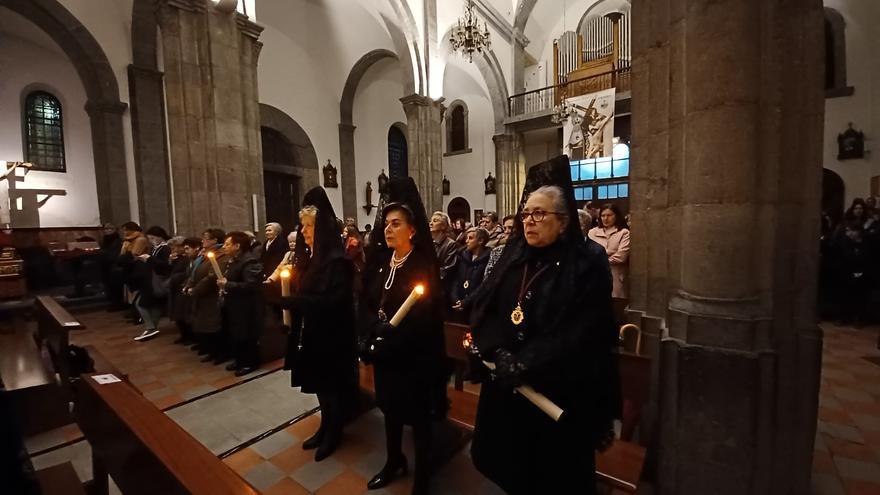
(544, 99)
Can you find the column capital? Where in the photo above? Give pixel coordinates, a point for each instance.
(421, 100)
(248, 27)
(145, 71)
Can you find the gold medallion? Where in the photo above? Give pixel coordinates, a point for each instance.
(466, 284)
(517, 316)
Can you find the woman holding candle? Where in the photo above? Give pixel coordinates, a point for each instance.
(410, 364)
(321, 349)
(543, 318)
(202, 286)
(242, 302)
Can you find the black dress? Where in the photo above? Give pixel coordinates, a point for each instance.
(411, 371)
(243, 299)
(565, 344)
(322, 352)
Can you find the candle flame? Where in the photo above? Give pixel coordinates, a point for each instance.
(420, 289)
(467, 341)
(285, 273)
(210, 254)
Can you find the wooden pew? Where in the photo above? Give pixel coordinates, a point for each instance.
(145, 451)
(30, 380)
(455, 334)
(53, 325)
(60, 479)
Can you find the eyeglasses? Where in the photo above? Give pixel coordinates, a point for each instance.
(538, 215)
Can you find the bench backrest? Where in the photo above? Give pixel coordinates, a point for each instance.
(144, 450)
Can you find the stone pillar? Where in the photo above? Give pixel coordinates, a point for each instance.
(510, 172)
(424, 116)
(213, 115)
(347, 170)
(727, 125)
(111, 175)
(150, 145)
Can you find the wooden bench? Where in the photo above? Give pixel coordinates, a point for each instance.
(30, 380)
(53, 325)
(455, 334)
(144, 450)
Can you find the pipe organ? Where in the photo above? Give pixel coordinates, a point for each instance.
(601, 47)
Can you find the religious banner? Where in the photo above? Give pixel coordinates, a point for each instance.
(589, 129)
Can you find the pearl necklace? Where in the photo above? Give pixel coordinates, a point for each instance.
(395, 263)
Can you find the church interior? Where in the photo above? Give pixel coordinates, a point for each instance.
(732, 139)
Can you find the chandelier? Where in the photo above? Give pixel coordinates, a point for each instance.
(467, 37)
(561, 112)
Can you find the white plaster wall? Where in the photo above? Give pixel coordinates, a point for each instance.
(308, 51)
(466, 172)
(109, 22)
(863, 107)
(376, 108)
(27, 65)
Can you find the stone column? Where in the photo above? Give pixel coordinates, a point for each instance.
(150, 145)
(727, 125)
(510, 172)
(213, 115)
(111, 175)
(424, 116)
(347, 170)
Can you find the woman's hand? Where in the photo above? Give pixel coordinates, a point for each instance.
(221, 282)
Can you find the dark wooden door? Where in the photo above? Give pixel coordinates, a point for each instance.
(282, 199)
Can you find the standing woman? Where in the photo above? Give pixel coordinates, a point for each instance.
(242, 302)
(543, 317)
(613, 235)
(322, 347)
(409, 361)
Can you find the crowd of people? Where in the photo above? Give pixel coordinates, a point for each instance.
(538, 290)
(849, 273)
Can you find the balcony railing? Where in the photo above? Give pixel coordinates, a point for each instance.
(544, 99)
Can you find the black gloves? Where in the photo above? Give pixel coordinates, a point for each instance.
(508, 370)
(374, 347)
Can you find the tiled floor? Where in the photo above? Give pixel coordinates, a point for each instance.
(846, 459)
(847, 450)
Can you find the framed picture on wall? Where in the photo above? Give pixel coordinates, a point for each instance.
(478, 215)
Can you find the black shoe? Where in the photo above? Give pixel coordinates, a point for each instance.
(245, 370)
(231, 367)
(220, 359)
(315, 440)
(207, 359)
(204, 352)
(388, 473)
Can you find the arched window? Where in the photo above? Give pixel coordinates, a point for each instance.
(835, 55)
(457, 128)
(44, 132)
(398, 161)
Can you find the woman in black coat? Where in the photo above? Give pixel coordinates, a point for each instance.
(322, 347)
(242, 302)
(469, 272)
(409, 361)
(544, 317)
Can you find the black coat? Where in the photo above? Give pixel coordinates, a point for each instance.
(152, 275)
(322, 348)
(410, 375)
(469, 271)
(179, 304)
(243, 300)
(566, 345)
(204, 299)
(272, 255)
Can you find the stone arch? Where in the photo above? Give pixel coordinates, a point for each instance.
(589, 13)
(103, 105)
(301, 146)
(490, 68)
(346, 126)
(406, 36)
(522, 14)
(833, 194)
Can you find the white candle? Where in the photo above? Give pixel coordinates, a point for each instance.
(214, 264)
(407, 305)
(536, 398)
(285, 291)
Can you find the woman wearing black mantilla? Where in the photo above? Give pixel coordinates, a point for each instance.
(322, 347)
(544, 318)
(409, 361)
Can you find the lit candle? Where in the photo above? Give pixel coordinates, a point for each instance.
(537, 398)
(213, 260)
(407, 305)
(285, 291)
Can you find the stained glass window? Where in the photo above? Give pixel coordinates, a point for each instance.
(44, 132)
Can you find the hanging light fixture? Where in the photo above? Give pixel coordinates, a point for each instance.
(561, 112)
(467, 37)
